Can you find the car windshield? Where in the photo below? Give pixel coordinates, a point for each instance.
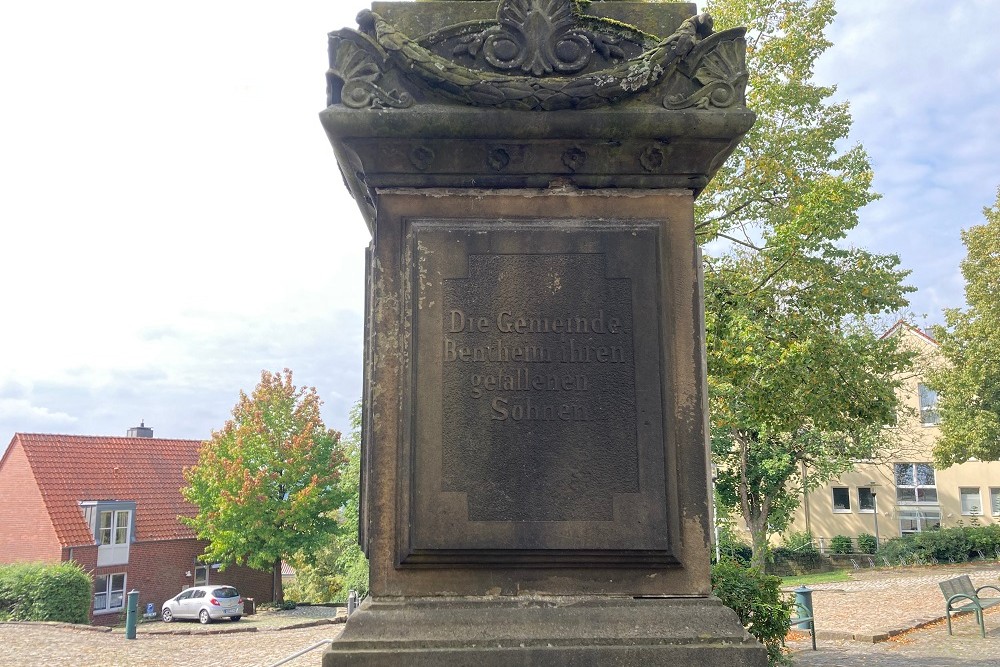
(225, 592)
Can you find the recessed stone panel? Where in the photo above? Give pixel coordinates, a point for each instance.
(536, 433)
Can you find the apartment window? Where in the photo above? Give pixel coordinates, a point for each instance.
(914, 520)
(201, 575)
(995, 502)
(841, 499)
(972, 501)
(109, 592)
(915, 483)
(929, 415)
(866, 499)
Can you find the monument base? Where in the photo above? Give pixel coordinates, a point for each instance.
(544, 631)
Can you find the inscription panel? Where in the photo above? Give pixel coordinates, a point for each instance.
(538, 373)
(536, 430)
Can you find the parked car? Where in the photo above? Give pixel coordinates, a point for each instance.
(206, 603)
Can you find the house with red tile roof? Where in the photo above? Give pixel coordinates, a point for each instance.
(112, 505)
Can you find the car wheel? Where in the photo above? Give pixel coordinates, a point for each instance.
(236, 618)
(204, 617)
(167, 615)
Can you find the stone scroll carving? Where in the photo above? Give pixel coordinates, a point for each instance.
(538, 55)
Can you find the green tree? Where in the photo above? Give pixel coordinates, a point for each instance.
(267, 484)
(797, 373)
(969, 380)
(339, 566)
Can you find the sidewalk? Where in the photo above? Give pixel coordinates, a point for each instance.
(881, 603)
(889, 618)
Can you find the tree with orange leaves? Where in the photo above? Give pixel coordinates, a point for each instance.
(267, 485)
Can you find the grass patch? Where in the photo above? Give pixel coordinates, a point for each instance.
(818, 578)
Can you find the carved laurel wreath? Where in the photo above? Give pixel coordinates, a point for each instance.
(360, 62)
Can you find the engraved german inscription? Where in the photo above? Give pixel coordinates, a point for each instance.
(538, 387)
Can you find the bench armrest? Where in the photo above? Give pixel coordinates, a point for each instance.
(987, 586)
(973, 599)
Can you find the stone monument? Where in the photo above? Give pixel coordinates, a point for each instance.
(535, 468)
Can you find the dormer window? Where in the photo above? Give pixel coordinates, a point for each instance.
(113, 525)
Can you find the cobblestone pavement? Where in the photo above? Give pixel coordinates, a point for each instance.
(881, 602)
(47, 646)
(854, 619)
(930, 646)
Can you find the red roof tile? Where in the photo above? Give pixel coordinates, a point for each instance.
(148, 471)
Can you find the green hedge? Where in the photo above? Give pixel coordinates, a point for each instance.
(41, 592)
(943, 546)
(757, 600)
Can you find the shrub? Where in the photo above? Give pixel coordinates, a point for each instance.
(757, 600)
(40, 592)
(841, 544)
(898, 548)
(800, 542)
(732, 547)
(867, 544)
(950, 544)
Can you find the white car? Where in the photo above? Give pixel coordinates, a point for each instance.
(206, 603)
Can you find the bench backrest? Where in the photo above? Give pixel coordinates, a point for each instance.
(958, 585)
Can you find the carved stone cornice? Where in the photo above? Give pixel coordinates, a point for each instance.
(542, 94)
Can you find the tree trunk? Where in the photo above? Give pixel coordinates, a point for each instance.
(277, 590)
(758, 542)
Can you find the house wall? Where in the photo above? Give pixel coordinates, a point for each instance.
(26, 532)
(912, 442)
(161, 569)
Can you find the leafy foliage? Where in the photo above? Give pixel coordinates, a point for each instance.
(45, 592)
(867, 543)
(798, 374)
(942, 546)
(339, 565)
(841, 544)
(969, 383)
(800, 542)
(267, 485)
(757, 600)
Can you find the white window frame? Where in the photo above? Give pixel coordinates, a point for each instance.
(922, 515)
(994, 501)
(114, 535)
(928, 398)
(917, 488)
(970, 509)
(111, 595)
(861, 508)
(847, 494)
(204, 581)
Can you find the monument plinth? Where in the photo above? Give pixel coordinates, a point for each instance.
(534, 483)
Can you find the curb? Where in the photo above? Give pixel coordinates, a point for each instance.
(59, 624)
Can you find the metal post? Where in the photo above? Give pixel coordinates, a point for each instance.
(804, 605)
(715, 515)
(875, 503)
(131, 611)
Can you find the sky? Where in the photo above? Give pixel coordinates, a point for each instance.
(172, 219)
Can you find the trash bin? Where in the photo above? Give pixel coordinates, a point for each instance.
(249, 607)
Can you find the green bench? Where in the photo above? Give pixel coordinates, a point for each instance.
(963, 596)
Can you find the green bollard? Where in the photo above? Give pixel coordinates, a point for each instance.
(804, 605)
(131, 611)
